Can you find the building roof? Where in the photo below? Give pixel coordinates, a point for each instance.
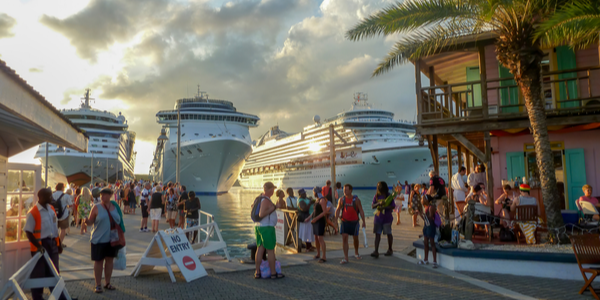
(21, 82)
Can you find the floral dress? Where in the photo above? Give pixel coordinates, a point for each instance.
(84, 208)
(415, 204)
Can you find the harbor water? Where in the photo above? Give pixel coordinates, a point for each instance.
(232, 213)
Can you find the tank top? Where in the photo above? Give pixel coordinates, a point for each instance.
(318, 211)
(101, 229)
(349, 214)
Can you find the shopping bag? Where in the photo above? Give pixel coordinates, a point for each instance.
(365, 237)
(121, 260)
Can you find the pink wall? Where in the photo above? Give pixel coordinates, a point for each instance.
(588, 58)
(492, 72)
(583, 139)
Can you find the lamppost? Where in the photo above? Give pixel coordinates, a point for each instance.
(47, 184)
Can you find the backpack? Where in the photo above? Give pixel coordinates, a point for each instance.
(58, 206)
(121, 193)
(354, 197)
(506, 235)
(254, 212)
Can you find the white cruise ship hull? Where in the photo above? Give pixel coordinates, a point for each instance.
(392, 165)
(212, 171)
(77, 169)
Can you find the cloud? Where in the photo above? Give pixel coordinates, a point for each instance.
(6, 24)
(284, 61)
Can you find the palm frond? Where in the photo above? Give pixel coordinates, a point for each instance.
(410, 15)
(425, 42)
(576, 24)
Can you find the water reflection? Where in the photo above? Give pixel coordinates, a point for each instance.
(232, 214)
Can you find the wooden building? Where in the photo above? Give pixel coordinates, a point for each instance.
(472, 105)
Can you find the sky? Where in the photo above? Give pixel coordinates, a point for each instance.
(283, 60)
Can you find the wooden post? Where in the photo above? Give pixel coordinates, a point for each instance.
(418, 90)
(332, 155)
(436, 162)
(489, 174)
(483, 79)
(468, 161)
(450, 202)
(459, 154)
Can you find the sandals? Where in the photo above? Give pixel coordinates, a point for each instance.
(257, 276)
(277, 276)
(343, 262)
(358, 257)
(389, 253)
(375, 254)
(322, 261)
(109, 287)
(316, 257)
(98, 289)
(423, 262)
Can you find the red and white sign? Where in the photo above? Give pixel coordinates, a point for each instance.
(183, 254)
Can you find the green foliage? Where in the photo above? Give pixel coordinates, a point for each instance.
(576, 24)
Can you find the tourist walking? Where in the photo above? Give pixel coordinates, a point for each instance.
(61, 204)
(126, 189)
(429, 230)
(181, 206)
(42, 232)
(103, 253)
(84, 208)
(264, 231)
(155, 210)
(398, 201)
(318, 224)
(144, 201)
(305, 210)
(382, 223)
(192, 208)
(349, 208)
(133, 200)
(75, 212)
(415, 203)
(172, 212)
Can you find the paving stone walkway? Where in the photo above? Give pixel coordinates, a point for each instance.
(536, 287)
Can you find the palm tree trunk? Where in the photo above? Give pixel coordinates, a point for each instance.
(530, 85)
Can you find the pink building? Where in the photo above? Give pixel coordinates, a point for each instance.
(472, 106)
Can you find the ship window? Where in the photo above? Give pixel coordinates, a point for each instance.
(190, 152)
(181, 153)
(196, 134)
(104, 146)
(199, 150)
(183, 134)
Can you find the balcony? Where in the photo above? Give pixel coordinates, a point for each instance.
(571, 97)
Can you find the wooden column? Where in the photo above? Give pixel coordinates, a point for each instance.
(468, 161)
(450, 195)
(489, 173)
(436, 162)
(418, 90)
(459, 154)
(483, 79)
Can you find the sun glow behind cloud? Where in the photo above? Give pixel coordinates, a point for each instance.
(282, 60)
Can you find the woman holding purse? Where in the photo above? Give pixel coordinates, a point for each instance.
(106, 217)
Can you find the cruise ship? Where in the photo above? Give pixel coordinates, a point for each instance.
(375, 148)
(110, 150)
(214, 144)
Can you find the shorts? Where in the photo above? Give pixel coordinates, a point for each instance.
(429, 231)
(265, 236)
(350, 228)
(132, 204)
(398, 205)
(181, 213)
(155, 214)
(171, 214)
(379, 228)
(319, 228)
(101, 251)
(191, 222)
(63, 224)
(144, 209)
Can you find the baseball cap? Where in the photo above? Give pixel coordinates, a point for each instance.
(106, 191)
(269, 185)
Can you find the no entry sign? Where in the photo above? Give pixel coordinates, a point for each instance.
(183, 254)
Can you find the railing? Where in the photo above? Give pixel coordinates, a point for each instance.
(576, 91)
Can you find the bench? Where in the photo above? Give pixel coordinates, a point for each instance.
(587, 251)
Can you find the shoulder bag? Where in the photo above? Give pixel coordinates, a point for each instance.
(117, 237)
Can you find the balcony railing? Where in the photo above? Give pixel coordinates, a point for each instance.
(566, 91)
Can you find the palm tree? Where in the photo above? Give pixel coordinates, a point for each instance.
(430, 26)
(577, 24)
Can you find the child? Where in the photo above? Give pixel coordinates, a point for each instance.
(429, 230)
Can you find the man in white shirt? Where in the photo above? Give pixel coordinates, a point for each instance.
(63, 219)
(477, 177)
(459, 190)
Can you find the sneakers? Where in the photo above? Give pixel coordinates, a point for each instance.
(423, 262)
(434, 265)
(146, 230)
(142, 230)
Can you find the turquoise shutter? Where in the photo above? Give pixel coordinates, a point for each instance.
(575, 170)
(565, 59)
(508, 96)
(515, 164)
(475, 99)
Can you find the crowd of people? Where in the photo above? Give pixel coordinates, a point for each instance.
(96, 210)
